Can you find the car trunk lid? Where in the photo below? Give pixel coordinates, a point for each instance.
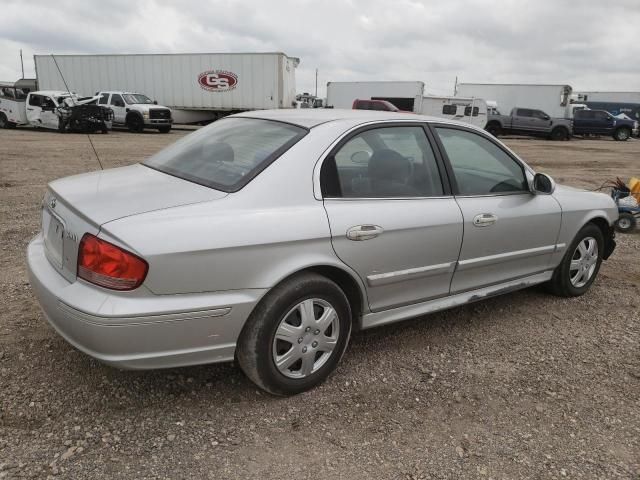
(82, 203)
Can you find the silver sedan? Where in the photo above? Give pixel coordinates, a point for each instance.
(267, 237)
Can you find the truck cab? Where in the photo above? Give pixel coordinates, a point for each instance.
(381, 105)
(601, 122)
(136, 111)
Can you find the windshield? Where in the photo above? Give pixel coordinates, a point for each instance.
(133, 98)
(227, 154)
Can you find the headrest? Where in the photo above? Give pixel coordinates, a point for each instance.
(388, 164)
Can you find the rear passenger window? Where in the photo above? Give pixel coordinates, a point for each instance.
(104, 98)
(383, 163)
(449, 109)
(524, 112)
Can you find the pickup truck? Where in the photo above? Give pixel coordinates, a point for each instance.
(527, 121)
(52, 109)
(600, 122)
(382, 105)
(136, 111)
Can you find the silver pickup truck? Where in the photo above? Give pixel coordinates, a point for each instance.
(527, 121)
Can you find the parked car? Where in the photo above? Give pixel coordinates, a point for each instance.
(268, 236)
(527, 121)
(600, 122)
(136, 111)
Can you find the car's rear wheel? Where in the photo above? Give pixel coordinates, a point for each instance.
(580, 264)
(622, 134)
(626, 222)
(4, 122)
(296, 335)
(494, 129)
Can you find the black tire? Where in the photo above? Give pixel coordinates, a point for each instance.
(135, 123)
(560, 284)
(494, 129)
(559, 133)
(164, 129)
(622, 134)
(256, 345)
(4, 122)
(626, 222)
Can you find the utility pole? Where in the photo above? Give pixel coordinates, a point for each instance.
(316, 82)
(21, 63)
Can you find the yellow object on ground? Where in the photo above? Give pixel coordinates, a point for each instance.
(634, 186)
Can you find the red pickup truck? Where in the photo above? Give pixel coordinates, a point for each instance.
(382, 105)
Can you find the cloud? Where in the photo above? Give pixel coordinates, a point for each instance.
(586, 44)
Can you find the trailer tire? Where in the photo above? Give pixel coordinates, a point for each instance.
(626, 222)
(494, 129)
(622, 134)
(559, 133)
(134, 123)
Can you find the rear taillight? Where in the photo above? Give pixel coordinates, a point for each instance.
(109, 266)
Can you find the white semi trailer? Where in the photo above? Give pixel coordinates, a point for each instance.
(197, 87)
(555, 100)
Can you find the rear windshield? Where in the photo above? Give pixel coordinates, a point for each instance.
(227, 154)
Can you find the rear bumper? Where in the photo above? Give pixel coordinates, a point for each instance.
(139, 330)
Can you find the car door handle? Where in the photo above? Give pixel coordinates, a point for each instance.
(364, 232)
(485, 219)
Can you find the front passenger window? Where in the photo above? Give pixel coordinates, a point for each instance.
(479, 165)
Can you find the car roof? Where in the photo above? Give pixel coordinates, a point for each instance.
(309, 118)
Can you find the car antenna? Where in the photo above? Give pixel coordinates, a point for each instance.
(74, 102)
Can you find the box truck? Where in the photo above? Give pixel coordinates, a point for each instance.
(406, 96)
(197, 87)
(554, 100)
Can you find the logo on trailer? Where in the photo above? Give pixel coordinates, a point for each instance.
(217, 80)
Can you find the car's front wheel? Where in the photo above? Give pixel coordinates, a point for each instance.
(580, 264)
(296, 336)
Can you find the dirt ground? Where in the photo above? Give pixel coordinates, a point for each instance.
(524, 386)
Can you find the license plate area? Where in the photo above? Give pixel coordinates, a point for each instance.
(53, 230)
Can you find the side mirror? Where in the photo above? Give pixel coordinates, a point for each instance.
(155, 102)
(543, 183)
(547, 117)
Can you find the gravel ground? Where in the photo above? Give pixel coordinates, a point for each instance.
(521, 386)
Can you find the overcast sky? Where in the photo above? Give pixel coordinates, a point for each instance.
(590, 45)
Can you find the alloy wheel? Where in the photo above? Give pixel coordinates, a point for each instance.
(305, 338)
(583, 262)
